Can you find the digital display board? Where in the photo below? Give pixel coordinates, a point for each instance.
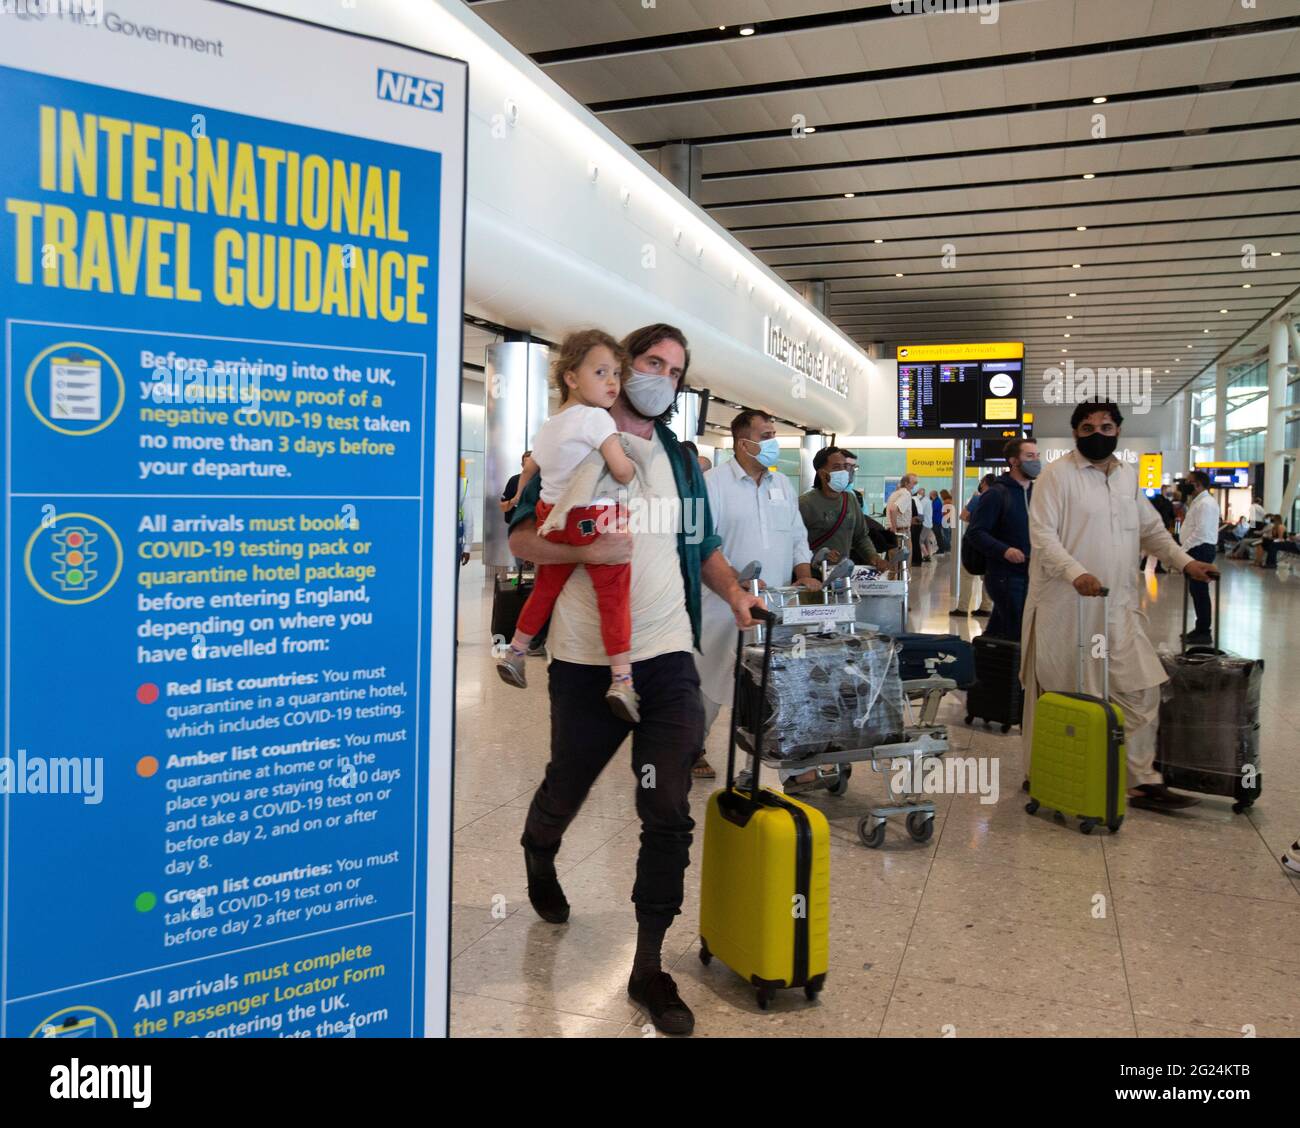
(968, 391)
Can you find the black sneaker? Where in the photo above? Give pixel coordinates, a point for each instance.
(981, 614)
(657, 994)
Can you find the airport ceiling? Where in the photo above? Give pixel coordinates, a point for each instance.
(957, 170)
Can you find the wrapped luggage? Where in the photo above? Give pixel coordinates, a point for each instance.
(825, 692)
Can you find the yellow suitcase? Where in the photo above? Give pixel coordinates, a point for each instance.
(765, 883)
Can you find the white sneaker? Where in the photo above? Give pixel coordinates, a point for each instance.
(1291, 859)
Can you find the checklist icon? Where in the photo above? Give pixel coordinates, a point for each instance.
(75, 388)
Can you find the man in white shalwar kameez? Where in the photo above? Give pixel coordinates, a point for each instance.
(1089, 524)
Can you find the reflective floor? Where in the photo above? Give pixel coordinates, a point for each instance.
(1002, 924)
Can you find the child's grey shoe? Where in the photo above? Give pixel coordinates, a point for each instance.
(623, 701)
(510, 666)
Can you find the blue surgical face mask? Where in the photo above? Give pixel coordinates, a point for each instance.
(650, 395)
(839, 480)
(768, 453)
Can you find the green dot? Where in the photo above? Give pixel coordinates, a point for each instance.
(74, 575)
(144, 902)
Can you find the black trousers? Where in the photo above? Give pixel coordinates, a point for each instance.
(1008, 591)
(584, 737)
(917, 557)
(1199, 591)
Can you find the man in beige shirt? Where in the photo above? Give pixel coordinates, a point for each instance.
(673, 550)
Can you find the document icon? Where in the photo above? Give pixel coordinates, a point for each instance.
(75, 388)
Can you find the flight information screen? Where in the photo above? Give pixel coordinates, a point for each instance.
(966, 397)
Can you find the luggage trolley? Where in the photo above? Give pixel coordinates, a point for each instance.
(922, 740)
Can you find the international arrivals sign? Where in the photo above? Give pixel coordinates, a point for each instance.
(816, 364)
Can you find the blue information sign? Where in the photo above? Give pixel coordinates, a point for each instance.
(225, 481)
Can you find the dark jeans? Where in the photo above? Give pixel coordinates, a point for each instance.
(1008, 591)
(1200, 592)
(1273, 547)
(584, 737)
(917, 557)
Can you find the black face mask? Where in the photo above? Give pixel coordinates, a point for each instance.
(1097, 446)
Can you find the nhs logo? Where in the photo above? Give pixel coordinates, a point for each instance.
(422, 93)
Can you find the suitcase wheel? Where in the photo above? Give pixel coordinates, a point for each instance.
(706, 957)
(1031, 808)
(1242, 805)
(1086, 826)
(920, 825)
(841, 784)
(764, 996)
(871, 832)
(1113, 827)
(1006, 728)
(810, 992)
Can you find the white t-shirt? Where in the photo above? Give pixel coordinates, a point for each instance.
(565, 439)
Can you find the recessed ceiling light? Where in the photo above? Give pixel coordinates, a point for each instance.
(1081, 229)
(722, 27)
(1274, 254)
(879, 240)
(849, 195)
(746, 31)
(1065, 350)
(1073, 295)
(1090, 176)
(898, 276)
(1069, 317)
(1077, 266)
(1166, 372)
(1099, 101)
(1245, 285)
(1204, 330)
(810, 129)
(1067, 334)
(1223, 311)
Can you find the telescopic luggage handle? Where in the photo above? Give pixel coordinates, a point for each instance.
(1105, 650)
(762, 615)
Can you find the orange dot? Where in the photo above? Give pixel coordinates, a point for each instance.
(74, 557)
(146, 766)
(147, 694)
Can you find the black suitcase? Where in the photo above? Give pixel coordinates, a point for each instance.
(1209, 721)
(508, 598)
(997, 694)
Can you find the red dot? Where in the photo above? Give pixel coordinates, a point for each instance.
(74, 539)
(147, 694)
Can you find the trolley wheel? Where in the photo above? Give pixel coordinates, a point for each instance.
(1113, 827)
(841, 784)
(871, 835)
(1031, 808)
(811, 993)
(1242, 805)
(1087, 825)
(920, 825)
(1006, 728)
(706, 957)
(764, 996)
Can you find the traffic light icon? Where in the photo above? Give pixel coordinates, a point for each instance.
(74, 558)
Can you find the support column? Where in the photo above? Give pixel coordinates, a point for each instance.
(1189, 429)
(683, 167)
(813, 441)
(813, 292)
(1275, 437)
(1220, 411)
(685, 423)
(515, 407)
(958, 491)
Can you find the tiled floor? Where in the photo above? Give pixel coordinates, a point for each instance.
(1002, 924)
